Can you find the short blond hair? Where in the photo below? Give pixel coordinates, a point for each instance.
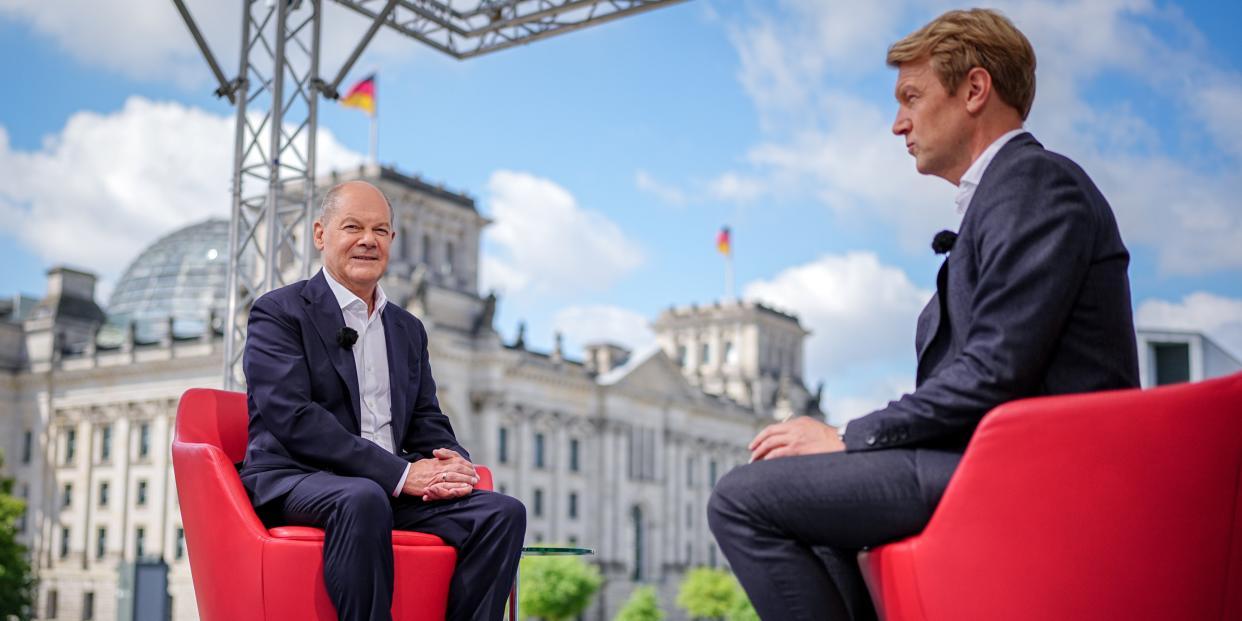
(959, 41)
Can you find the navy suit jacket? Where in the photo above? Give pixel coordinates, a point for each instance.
(1033, 300)
(302, 390)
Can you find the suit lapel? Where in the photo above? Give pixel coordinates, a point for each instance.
(932, 317)
(398, 372)
(325, 313)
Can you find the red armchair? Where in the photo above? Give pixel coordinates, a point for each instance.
(1123, 505)
(245, 572)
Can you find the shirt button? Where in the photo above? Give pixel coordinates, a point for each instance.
(871, 440)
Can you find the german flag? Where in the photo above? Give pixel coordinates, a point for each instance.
(362, 95)
(723, 244)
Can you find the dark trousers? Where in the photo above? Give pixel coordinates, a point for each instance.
(358, 518)
(792, 527)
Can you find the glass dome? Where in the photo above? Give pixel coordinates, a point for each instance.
(182, 275)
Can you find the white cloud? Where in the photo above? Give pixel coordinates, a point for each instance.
(823, 141)
(666, 193)
(735, 187)
(107, 185)
(147, 40)
(861, 312)
(1217, 316)
(867, 398)
(550, 244)
(582, 325)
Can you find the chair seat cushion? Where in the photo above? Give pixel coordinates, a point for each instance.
(399, 537)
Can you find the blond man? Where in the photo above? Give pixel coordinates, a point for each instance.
(1033, 299)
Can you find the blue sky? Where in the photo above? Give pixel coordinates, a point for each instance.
(610, 157)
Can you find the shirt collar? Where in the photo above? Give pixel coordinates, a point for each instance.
(970, 179)
(345, 297)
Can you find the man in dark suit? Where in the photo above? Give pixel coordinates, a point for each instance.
(1032, 300)
(346, 432)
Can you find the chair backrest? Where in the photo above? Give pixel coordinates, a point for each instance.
(1124, 504)
(216, 418)
(223, 535)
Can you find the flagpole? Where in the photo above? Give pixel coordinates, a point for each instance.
(729, 275)
(375, 139)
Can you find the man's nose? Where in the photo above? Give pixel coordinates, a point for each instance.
(901, 125)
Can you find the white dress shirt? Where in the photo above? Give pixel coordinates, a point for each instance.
(972, 176)
(371, 362)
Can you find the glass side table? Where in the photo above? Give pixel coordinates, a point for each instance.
(541, 550)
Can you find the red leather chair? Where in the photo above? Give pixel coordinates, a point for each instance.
(1122, 505)
(245, 572)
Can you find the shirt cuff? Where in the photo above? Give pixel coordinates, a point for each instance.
(401, 482)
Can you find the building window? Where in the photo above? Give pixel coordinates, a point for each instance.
(103, 493)
(140, 542)
(573, 505)
(574, 466)
(64, 541)
(179, 553)
(71, 445)
(711, 472)
(690, 468)
(27, 446)
(538, 502)
(88, 606)
(144, 440)
(539, 446)
(21, 518)
(730, 353)
(142, 493)
(52, 604)
(105, 443)
(636, 519)
(1172, 362)
(705, 354)
(681, 355)
(689, 515)
(407, 244)
(66, 496)
(427, 250)
(101, 542)
(503, 448)
(448, 257)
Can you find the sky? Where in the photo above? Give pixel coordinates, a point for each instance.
(609, 158)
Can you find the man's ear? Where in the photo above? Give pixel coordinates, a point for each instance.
(978, 85)
(318, 235)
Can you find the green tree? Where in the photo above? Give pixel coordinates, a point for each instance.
(707, 593)
(16, 581)
(555, 588)
(641, 606)
(742, 609)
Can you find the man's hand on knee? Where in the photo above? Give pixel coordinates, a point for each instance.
(800, 436)
(447, 475)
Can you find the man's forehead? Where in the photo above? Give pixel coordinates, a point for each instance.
(912, 74)
(364, 210)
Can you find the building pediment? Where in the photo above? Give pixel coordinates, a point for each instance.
(650, 372)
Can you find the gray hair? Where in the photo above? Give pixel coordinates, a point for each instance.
(332, 202)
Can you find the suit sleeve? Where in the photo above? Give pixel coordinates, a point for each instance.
(429, 427)
(1033, 246)
(280, 385)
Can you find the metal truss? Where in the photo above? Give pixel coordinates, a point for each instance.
(469, 28)
(276, 93)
